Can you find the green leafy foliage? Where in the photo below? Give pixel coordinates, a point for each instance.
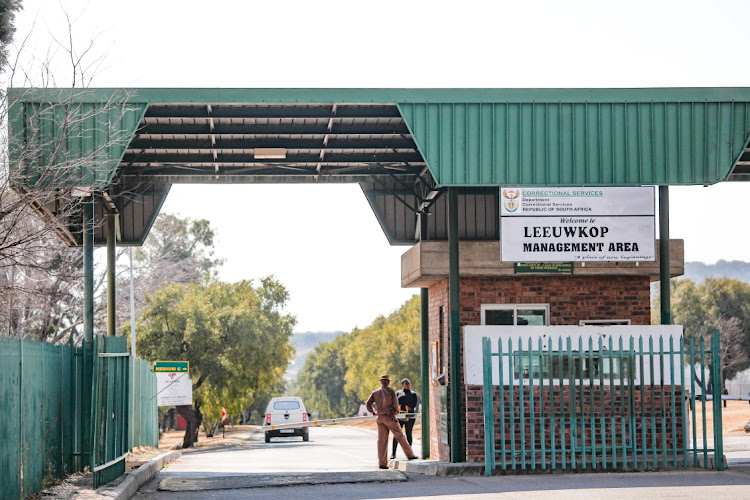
(716, 303)
(339, 375)
(390, 345)
(8, 10)
(235, 336)
(322, 384)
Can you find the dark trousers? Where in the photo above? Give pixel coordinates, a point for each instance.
(407, 425)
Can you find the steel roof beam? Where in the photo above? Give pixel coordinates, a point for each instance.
(220, 128)
(273, 112)
(207, 168)
(225, 157)
(260, 170)
(224, 178)
(395, 142)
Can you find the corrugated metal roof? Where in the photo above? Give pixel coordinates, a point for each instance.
(402, 144)
(583, 144)
(73, 144)
(468, 137)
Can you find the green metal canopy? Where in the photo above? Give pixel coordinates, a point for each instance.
(401, 145)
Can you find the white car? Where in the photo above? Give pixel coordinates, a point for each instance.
(286, 410)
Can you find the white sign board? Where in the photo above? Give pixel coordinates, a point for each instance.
(552, 334)
(174, 389)
(557, 224)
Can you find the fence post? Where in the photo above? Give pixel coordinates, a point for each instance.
(489, 416)
(716, 401)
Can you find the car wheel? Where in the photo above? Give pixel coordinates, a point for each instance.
(306, 436)
(268, 438)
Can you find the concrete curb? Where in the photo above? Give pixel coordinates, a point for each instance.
(140, 476)
(430, 468)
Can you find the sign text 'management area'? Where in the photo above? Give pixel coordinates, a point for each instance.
(567, 224)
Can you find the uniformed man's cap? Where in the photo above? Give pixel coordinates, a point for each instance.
(385, 377)
(405, 381)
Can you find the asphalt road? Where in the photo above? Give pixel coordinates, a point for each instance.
(331, 448)
(339, 450)
(342, 450)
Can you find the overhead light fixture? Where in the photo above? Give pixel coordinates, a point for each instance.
(269, 153)
(81, 191)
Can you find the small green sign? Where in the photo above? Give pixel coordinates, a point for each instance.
(543, 267)
(170, 366)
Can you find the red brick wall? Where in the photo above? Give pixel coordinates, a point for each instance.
(560, 404)
(570, 299)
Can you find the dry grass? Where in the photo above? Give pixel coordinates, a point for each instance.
(170, 439)
(734, 417)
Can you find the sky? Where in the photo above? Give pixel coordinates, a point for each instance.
(322, 241)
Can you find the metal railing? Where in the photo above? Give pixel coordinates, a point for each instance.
(600, 406)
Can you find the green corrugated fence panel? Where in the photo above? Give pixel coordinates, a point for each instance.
(10, 423)
(50, 411)
(40, 388)
(31, 403)
(579, 143)
(149, 408)
(85, 141)
(143, 428)
(66, 410)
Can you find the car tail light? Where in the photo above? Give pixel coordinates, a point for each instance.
(304, 417)
(268, 419)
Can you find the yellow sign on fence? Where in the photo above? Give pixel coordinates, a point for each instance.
(170, 366)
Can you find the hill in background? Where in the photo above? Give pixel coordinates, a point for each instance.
(304, 343)
(699, 271)
(734, 269)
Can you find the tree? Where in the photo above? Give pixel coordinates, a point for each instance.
(390, 345)
(40, 193)
(177, 250)
(322, 380)
(717, 303)
(339, 375)
(8, 9)
(235, 336)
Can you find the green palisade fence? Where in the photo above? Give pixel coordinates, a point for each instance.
(601, 405)
(45, 395)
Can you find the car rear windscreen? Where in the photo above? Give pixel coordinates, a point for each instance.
(286, 405)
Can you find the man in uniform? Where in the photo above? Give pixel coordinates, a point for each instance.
(386, 409)
(407, 402)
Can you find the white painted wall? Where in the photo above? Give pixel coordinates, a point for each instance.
(473, 347)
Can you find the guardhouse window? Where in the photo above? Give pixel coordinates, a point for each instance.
(515, 314)
(594, 366)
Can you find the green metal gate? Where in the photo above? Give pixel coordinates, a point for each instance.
(109, 409)
(603, 407)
